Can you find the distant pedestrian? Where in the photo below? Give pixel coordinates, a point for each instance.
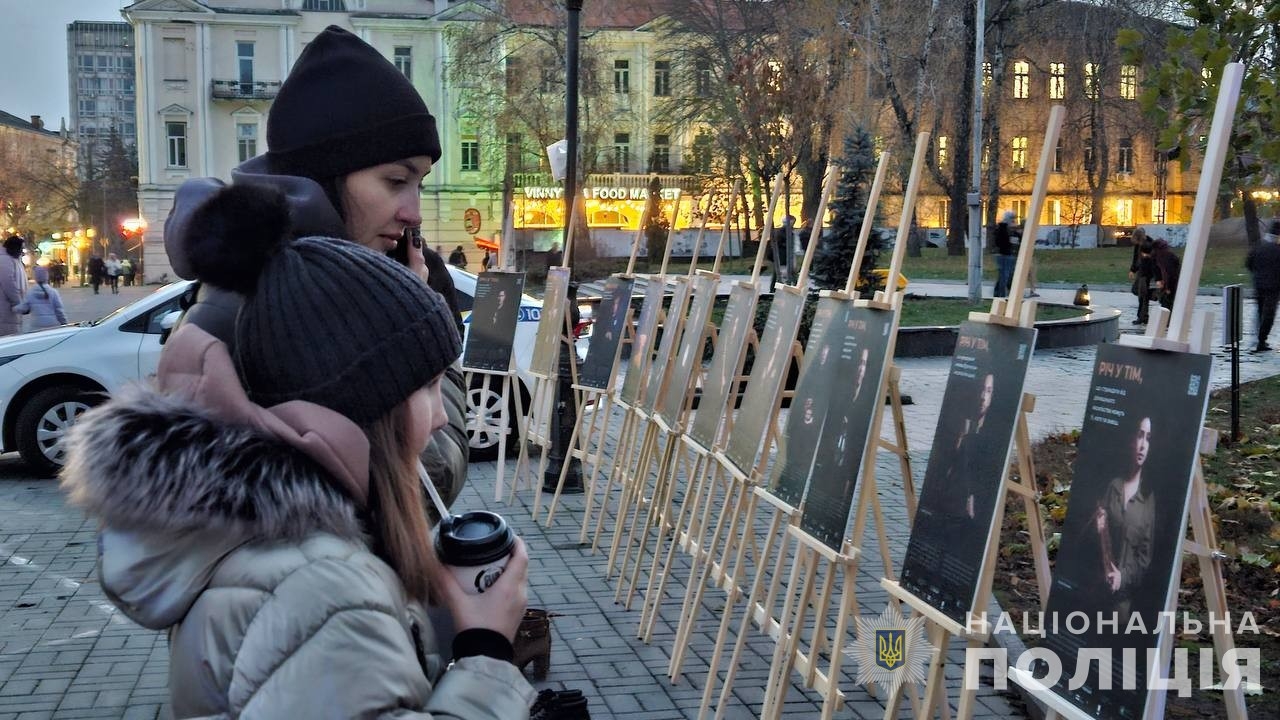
(126, 271)
(13, 282)
(97, 272)
(1005, 259)
(43, 303)
(1142, 272)
(113, 273)
(1264, 264)
(57, 272)
(458, 258)
(485, 261)
(1167, 269)
(555, 258)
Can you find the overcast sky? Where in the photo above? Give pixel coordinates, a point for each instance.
(33, 53)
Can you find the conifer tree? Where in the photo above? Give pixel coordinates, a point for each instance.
(857, 167)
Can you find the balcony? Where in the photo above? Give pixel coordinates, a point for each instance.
(236, 90)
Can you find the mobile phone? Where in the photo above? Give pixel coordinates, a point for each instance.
(401, 251)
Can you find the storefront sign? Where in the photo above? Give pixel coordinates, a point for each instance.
(601, 193)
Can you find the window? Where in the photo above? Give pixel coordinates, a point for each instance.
(986, 76)
(550, 78)
(1053, 212)
(324, 5)
(942, 151)
(1157, 210)
(104, 63)
(177, 135)
(1129, 82)
(175, 59)
(622, 77)
(1057, 158)
(87, 107)
(1021, 80)
(403, 57)
(1018, 156)
(1057, 80)
(470, 155)
(246, 140)
(1091, 80)
(1124, 158)
(244, 64)
(515, 152)
(661, 161)
(1019, 208)
(944, 213)
(1124, 211)
(702, 79)
(702, 153)
(1088, 155)
(86, 63)
(512, 67)
(621, 152)
(662, 78)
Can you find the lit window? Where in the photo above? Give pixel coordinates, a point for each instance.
(1124, 159)
(1018, 158)
(1128, 81)
(177, 138)
(662, 78)
(1053, 211)
(1019, 208)
(622, 77)
(403, 57)
(1124, 211)
(621, 152)
(1091, 80)
(661, 161)
(1057, 80)
(246, 140)
(470, 155)
(1021, 80)
(944, 213)
(986, 76)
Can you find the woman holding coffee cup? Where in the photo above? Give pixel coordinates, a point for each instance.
(263, 505)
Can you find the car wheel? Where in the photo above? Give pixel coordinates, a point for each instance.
(488, 417)
(42, 425)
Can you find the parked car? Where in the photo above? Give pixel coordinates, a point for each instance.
(49, 378)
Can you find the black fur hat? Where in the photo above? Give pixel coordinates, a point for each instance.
(324, 320)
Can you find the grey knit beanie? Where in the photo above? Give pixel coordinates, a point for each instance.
(324, 320)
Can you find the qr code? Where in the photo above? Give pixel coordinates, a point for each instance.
(1022, 351)
(1193, 385)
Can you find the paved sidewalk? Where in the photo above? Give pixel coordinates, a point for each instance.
(66, 653)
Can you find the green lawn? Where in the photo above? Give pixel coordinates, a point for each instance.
(918, 311)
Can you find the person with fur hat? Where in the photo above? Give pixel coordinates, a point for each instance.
(13, 283)
(261, 500)
(44, 304)
(351, 169)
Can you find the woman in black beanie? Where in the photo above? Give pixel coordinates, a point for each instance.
(350, 143)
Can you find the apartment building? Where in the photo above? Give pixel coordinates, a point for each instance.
(100, 66)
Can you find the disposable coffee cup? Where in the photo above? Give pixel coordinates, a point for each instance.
(475, 545)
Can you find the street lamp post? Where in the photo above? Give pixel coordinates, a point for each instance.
(975, 186)
(566, 408)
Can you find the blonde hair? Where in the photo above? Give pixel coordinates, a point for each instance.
(397, 513)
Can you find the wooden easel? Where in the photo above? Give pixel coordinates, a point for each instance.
(1177, 332)
(940, 627)
(601, 401)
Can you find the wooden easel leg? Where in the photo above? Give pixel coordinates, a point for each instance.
(848, 606)
(599, 415)
(700, 562)
(794, 611)
(1030, 505)
(628, 425)
(531, 423)
(659, 573)
(637, 504)
(901, 449)
(657, 516)
(564, 470)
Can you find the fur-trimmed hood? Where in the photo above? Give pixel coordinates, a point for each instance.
(179, 481)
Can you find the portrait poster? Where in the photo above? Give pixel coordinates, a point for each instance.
(863, 342)
(667, 343)
(546, 345)
(689, 355)
(768, 371)
(606, 335)
(641, 345)
(718, 382)
(492, 323)
(818, 374)
(963, 483)
(1122, 538)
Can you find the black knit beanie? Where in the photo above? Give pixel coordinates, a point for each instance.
(323, 320)
(344, 107)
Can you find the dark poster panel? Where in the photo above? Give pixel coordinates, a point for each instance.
(493, 321)
(768, 370)
(666, 346)
(546, 345)
(607, 333)
(797, 448)
(863, 342)
(1122, 539)
(641, 345)
(963, 482)
(717, 384)
(691, 346)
